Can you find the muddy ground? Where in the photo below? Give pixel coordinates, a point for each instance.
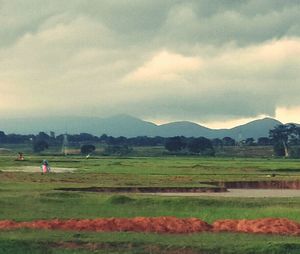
(242, 193)
(36, 169)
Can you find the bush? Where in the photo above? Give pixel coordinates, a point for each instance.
(120, 199)
(87, 149)
(202, 146)
(117, 150)
(40, 146)
(295, 152)
(279, 149)
(174, 144)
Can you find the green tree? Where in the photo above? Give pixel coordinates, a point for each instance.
(175, 144)
(201, 146)
(2, 137)
(264, 141)
(40, 145)
(282, 136)
(250, 142)
(87, 149)
(228, 141)
(117, 150)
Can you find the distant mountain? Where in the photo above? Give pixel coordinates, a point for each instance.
(254, 129)
(183, 128)
(120, 125)
(128, 126)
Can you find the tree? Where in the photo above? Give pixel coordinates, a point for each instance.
(250, 142)
(87, 137)
(174, 144)
(52, 134)
(2, 137)
(43, 136)
(103, 138)
(217, 142)
(40, 145)
(117, 150)
(87, 149)
(282, 136)
(15, 138)
(201, 146)
(279, 149)
(228, 141)
(264, 141)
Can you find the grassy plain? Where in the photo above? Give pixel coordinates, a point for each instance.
(29, 196)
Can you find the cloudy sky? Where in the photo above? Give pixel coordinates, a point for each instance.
(213, 62)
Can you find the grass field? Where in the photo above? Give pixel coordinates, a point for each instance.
(26, 196)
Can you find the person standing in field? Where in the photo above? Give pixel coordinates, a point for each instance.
(45, 168)
(20, 157)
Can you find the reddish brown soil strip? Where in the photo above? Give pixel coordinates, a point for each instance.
(162, 225)
(138, 224)
(295, 185)
(265, 226)
(147, 189)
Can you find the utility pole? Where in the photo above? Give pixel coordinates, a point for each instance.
(65, 144)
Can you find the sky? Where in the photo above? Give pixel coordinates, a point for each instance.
(214, 62)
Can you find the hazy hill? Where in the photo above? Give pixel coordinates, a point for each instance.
(120, 125)
(183, 128)
(255, 129)
(128, 126)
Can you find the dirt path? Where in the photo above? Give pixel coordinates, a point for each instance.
(151, 190)
(247, 193)
(36, 169)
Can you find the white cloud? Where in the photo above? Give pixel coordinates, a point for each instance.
(288, 114)
(259, 62)
(165, 66)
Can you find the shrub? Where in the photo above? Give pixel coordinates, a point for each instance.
(87, 149)
(40, 145)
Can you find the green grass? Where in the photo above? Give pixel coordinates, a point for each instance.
(161, 171)
(42, 242)
(49, 205)
(30, 196)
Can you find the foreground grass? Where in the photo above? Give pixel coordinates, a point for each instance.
(30, 196)
(159, 171)
(44, 242)
(49, 205)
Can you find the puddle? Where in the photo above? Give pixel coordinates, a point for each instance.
(36, 169)
(239, 193)
(294, 185)
(148, 189)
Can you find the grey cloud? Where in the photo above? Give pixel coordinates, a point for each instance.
(166, 21)
(79, 54)
(184, 24)
(210, 106)
(20, 17)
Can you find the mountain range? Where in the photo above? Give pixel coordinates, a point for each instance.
(128, 126)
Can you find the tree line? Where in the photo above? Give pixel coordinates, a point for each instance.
(285, 140)
(52, 139)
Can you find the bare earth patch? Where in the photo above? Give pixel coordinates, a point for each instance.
(36, 169)
(279, 226)
(138, 224)
(246, 193)
(147, 190)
